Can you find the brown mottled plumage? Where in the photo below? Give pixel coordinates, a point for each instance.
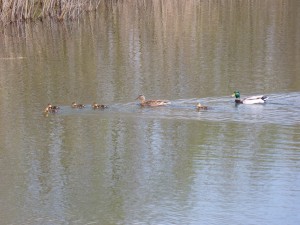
(201, 107)
(78, 106)
(51, 109)
(99, 106)
(50, 106)
(151, 103)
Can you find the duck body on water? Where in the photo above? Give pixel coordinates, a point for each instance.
(259, 99)
(51, 108)
(78, 106)
(151, 103)
(99, 106)
(201, 107)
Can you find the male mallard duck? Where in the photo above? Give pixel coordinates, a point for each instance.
(249, 100)
(201, 107)
(151, 103)
(98, 106)
(78, 106)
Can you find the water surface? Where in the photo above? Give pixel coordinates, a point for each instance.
(231, 164)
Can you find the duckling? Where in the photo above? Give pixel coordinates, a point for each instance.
(201, 107)
(78, 106)
(98, 106)
(151, 103)
(50, 106)
(49, 109)
(249, 100)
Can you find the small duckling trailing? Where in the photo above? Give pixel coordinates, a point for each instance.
(77, 106)
(99, 106)
(51, 109)
(201, 107)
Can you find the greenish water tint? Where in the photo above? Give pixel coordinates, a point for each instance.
(166, 165)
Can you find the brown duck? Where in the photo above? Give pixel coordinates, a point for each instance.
(151, 103)
(53, 106)
(99, 106)
(77, 106)
(201, 107)
(51, 109)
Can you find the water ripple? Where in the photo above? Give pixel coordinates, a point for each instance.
(282, 109)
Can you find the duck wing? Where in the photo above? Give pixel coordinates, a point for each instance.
(156, 102)
(255, 99)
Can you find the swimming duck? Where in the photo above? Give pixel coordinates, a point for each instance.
(259, 99)
(50, 106)
(98, 106)
(78, 106)
(151, 103)
(201, 107)
(51, 109)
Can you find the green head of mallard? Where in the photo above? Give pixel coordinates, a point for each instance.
(236, 94)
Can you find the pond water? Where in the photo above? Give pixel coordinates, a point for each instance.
(230, 164)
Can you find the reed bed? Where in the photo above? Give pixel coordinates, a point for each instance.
(24, 10)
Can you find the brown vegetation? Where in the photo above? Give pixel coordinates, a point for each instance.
(22, 10)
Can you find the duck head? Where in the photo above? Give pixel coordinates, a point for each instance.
(46, 110)
(141, 98)
(199, 105)
(236, 94)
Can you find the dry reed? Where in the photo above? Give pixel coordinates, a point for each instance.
(23, 10)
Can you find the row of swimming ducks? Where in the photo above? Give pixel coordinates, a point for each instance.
(259, 99)
(54, 109)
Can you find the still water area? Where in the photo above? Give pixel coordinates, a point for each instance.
(230, 164)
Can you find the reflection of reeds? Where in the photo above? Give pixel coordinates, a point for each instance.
(21, 10)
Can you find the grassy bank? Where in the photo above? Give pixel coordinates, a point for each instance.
(24, 10)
